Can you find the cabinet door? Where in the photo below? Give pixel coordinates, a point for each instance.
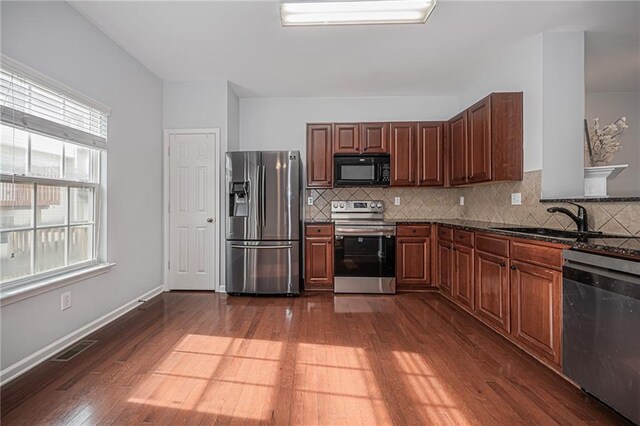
(492, 289)
(536, 316)
(479, 141)
(413, 261)
(374, 138)
(318, 261)
(403, 154)
(319, 156)
(346, 138)
(430, 163)
(445, 265)
(463, 276)
(458, 149)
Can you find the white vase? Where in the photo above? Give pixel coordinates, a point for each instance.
(595, 179)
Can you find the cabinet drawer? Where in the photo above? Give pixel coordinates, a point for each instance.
(413, 230)
(536, 254)
(464, 238)
(493, 245)
(445, 234)
(319, 230)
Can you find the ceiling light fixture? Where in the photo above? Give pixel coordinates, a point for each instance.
(294, 13)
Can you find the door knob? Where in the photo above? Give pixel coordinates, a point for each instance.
(210, 219)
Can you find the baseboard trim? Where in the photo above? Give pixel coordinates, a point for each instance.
(26, 364)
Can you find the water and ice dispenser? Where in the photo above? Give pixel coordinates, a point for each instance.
(238, 199)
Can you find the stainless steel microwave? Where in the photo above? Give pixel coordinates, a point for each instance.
(361, 170)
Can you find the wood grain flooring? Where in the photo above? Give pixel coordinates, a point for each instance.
(204, 358)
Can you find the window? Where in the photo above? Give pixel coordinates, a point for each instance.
(51, 150)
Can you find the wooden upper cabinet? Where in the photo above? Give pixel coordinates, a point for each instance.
(319, 155)
(346, 138)
(430, 150)
(374, 138)
(458, 149)
(485, 141)
(479, 141)
(403, 154)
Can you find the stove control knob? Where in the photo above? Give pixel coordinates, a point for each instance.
(373, 205)
(341, 204)
(335, 204)
(379, 205)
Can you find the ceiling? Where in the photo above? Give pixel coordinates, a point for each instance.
(243, 42)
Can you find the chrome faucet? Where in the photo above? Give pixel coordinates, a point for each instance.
(582, 219)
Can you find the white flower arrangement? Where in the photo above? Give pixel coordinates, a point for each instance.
(602, 144)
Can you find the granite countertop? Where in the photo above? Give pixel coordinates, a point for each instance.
(628, 246)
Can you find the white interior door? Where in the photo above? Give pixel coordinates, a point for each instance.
(192, 214)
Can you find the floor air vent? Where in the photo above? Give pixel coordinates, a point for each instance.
(74, 350)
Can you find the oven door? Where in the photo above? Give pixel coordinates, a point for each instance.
(361, 170)
(364, 263)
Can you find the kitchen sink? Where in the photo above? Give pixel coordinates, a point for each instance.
(555, 233)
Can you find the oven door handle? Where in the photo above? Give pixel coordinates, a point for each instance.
(362, 231)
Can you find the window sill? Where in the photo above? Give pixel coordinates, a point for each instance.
(16, 293)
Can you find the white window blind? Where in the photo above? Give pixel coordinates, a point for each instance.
(27, 104)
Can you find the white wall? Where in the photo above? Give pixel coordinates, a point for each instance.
(233, 120)
(200, 105)
(519, 69)
(280, 123)
(563, 101)
(609, 106)
(52, 38)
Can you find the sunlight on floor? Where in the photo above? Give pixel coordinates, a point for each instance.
(427, 391)
(335, 384)
(215, 375)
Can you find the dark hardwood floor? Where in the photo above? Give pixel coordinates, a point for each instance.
(202, 358)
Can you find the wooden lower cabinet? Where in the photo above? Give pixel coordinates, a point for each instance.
(536, 309)
(512, 285)
(463, 283)
(445, 266)
(318, 257)
(492, 289)
(413, 261)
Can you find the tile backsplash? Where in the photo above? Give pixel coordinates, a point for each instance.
(488, 203)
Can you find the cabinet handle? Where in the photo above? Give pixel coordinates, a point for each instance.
(318, 230)
(503, 264)
(453, 248)
(513, 267)
(413, 230)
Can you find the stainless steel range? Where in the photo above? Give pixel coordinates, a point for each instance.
(364, 249)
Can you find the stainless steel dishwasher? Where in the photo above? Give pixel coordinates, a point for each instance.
(601, 328)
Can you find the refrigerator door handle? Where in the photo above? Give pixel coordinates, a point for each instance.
(264, 189)
(262, 247)
(259, 196)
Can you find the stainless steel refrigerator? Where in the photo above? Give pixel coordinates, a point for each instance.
(263, 222)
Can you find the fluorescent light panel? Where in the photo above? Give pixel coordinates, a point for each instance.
(356, 12)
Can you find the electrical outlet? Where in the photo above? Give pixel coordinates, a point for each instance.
(516, 199)
(65, 301)
(396, 201)
(462, 201)
(309, 201)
